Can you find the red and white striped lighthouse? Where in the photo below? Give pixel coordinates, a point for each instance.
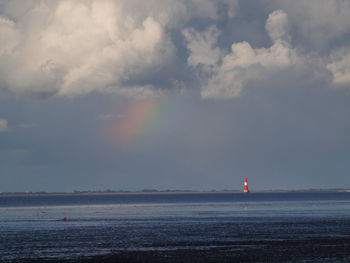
(246, 185)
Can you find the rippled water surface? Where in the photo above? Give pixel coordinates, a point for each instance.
(269, 227)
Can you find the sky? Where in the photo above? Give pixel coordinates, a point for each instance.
(163, 94)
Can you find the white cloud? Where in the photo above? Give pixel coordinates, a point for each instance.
(243, 63)
(319, 22)
(202, 46)
(9, 35)
(75, 47)
(340, 66)
(85, 46)
(69, 48)
(277, 26)
(3, 125)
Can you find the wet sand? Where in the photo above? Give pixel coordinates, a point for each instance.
(177, 228)
(308, 250)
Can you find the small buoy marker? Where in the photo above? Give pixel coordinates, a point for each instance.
(64, 218)
(246, 185)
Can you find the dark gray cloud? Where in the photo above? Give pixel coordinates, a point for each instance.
(232, 89)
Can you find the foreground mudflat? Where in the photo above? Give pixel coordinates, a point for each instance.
(314, 250)
(177, 228)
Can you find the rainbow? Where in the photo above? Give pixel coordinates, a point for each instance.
(139, 119)
(142, 121)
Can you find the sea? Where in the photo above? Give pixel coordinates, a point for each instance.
(176, 227)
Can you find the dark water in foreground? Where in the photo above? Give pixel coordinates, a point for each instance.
(269, 227)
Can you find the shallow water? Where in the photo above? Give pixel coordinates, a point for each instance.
(269, 227)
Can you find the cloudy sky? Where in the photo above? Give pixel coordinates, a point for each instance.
(186, 94)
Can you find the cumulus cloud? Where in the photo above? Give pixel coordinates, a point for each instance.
(319, 24)
(82, 46)
(244, 63)
(135, 48)
(8, 34)
(75, 47)
(202, 46)
(225, 74)
(321, 28)
(340, 66)
(277, 26)
(3, 125)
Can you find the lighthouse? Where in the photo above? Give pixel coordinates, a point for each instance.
(246, 185)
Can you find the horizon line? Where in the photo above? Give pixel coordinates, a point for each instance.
(150, 191)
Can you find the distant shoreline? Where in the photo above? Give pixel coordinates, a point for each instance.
(163, 192)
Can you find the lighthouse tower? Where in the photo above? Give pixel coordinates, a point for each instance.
(246, 185)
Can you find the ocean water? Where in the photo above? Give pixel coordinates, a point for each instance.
(176, 227)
